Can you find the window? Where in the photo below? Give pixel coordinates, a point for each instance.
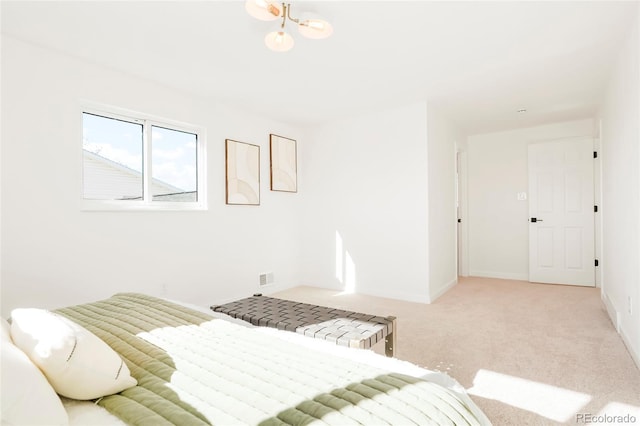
(137, 162)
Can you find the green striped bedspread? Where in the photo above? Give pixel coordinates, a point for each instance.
(193, 369)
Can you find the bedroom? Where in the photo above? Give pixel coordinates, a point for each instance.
(56, 55)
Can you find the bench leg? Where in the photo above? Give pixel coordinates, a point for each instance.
(390, 340)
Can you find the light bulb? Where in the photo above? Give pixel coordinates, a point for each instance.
(279, 41)
(315, 28)
(263, 9)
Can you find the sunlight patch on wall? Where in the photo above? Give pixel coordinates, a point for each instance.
(339, 258)
(345, 267)
(552, 402)
(350, 274)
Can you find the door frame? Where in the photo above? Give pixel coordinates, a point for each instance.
(597, 199)
(462, 196)
(462, 228)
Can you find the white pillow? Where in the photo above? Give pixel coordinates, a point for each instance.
(26, 397)
(77, 363)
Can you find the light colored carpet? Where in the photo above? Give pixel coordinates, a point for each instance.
(529, 354)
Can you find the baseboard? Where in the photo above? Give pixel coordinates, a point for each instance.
(387, 294)
(407, 297)
(500, 275)
(634, 355)
(265, 290)
(272, 288)
(443, 290)
(614, 316)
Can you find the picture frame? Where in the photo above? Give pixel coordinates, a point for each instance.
(242, 172)
(283, 163)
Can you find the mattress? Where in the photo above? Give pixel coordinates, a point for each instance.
(195, 369)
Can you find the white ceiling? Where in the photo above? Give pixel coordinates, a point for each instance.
(478, 61)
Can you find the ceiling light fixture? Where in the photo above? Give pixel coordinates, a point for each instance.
(280, 41)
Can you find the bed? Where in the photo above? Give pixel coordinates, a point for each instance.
(171, 364)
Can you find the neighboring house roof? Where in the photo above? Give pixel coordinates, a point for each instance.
(105, 179)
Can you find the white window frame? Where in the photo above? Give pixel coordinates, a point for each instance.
(147, 121)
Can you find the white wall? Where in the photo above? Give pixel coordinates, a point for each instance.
(620, 126)
(54, 254)
(442, 139)
(498, 223)
(365, 179)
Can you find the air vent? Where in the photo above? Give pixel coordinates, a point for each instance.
(266, 278)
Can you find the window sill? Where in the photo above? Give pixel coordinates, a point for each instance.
(137, 206)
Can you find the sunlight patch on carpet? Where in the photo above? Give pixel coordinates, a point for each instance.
(549, 401)
(620, 412)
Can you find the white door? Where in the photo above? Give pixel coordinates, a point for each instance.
(561, 212)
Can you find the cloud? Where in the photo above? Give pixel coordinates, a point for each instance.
(167, 154)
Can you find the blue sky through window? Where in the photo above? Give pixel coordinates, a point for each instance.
(173, 157)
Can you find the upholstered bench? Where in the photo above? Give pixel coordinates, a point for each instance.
(345, 328)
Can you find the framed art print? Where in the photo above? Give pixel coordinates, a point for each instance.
(283, 156)
(242, 173)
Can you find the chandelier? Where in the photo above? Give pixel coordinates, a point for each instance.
(280, 41)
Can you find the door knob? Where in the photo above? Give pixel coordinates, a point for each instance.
(534, 219)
